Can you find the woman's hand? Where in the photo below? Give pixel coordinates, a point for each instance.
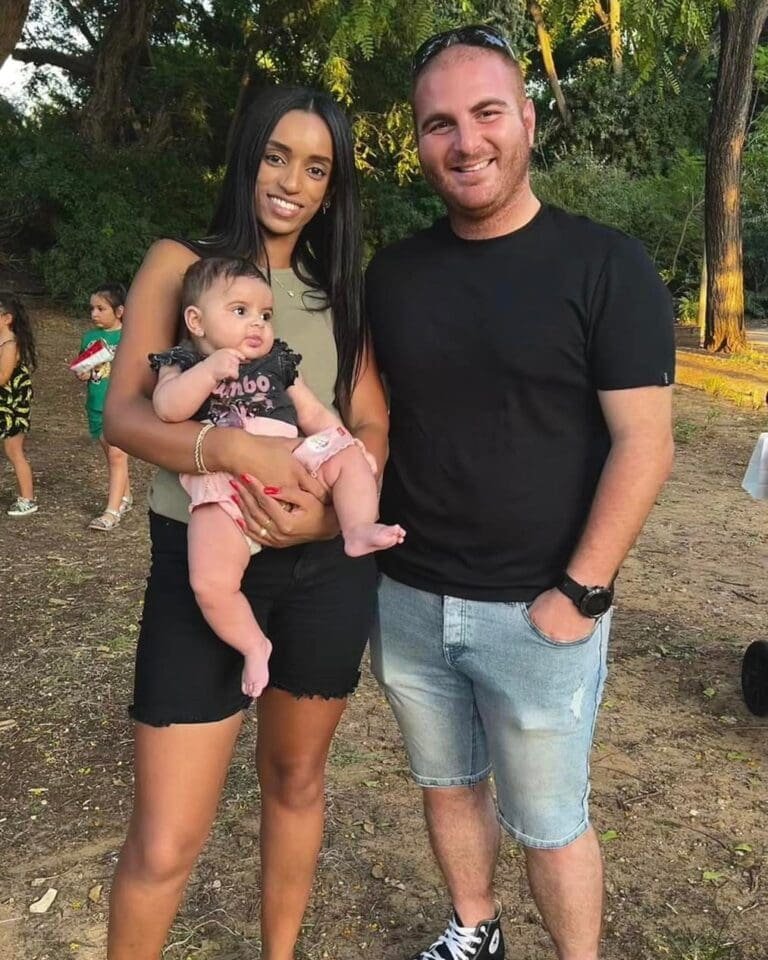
(270, 459)
(282, 517)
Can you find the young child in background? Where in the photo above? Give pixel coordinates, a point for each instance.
(234, 373)
(18, 359)
(107, 306)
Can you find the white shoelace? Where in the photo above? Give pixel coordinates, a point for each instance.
(460, 942)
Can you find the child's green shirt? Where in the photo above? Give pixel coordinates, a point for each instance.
(99, 382)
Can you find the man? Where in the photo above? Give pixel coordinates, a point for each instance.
(529, 355)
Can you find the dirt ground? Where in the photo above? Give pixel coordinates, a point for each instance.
(680, 767)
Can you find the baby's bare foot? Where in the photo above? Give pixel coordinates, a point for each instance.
(369, 537)
(255, 671)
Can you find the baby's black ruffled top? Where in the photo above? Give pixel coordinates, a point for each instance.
(259, 390)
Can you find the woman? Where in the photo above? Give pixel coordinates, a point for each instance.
(289, 201)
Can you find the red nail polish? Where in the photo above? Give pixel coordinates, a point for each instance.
(236, 499)
(233, 483)
(245, 478)
(241, 524)
(271, 491)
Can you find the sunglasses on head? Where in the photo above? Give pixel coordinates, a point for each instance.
(473, 36)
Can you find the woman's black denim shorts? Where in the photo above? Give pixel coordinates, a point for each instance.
(314, 602)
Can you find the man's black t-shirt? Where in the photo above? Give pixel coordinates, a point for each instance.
(493, 352)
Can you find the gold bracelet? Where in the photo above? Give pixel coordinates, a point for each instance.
(199, 462)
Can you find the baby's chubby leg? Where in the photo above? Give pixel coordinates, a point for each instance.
(356, 501)
(218, 556)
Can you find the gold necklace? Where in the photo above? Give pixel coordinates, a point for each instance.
(291, 293)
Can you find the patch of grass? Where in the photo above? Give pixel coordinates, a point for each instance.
(756, 358)
(206, 938)
(687, 947)
(122, 642)
(686, 430)
(753, 396)
(714, 386)
(677, 651)
(69, 575)
(739, 382)
(348, 755)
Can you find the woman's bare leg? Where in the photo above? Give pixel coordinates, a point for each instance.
(14, 450)
(294, 736)
(180, 772)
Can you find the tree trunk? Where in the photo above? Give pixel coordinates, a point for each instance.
(740, 26)
(545, 45)
(702, 311)
(11, 24)
(125, 38)
(614, 27)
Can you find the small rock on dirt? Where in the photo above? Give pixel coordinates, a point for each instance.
(44, 903)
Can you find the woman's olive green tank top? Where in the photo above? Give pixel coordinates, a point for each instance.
(308, 332)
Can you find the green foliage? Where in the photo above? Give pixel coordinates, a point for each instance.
(386, 145)
(654, 34)
(664, 211)
(393, 212)
(358, 30)
(631, 159)
(754, 208)
(88, 218)
(663, 29)
(688, 310)
(621, 121)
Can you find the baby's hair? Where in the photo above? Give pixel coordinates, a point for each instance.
(113, 293)
(202, 274)
(22, 328)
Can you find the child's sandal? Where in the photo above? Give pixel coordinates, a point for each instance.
(126, 505)
(106, 521)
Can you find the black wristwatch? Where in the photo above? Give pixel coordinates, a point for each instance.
(591, 601)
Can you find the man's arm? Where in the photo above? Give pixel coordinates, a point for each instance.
(639, 421)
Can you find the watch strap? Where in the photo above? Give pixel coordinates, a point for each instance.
(572, 589)
(584, 597)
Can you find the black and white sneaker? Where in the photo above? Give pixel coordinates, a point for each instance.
(483, 942)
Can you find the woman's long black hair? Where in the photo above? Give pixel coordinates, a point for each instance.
(328, 256)
(22, 328)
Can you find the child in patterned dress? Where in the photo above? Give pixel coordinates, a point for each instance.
(17, 361)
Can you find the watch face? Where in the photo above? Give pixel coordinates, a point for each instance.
(596, 602)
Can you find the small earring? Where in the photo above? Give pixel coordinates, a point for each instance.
(326, 205)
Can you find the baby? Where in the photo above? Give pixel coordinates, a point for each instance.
(235, 373)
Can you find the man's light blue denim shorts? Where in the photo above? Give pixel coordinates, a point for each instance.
(476, 688)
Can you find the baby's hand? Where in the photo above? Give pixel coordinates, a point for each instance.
(224, 364)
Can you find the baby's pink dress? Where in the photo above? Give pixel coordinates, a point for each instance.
(312, 452)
